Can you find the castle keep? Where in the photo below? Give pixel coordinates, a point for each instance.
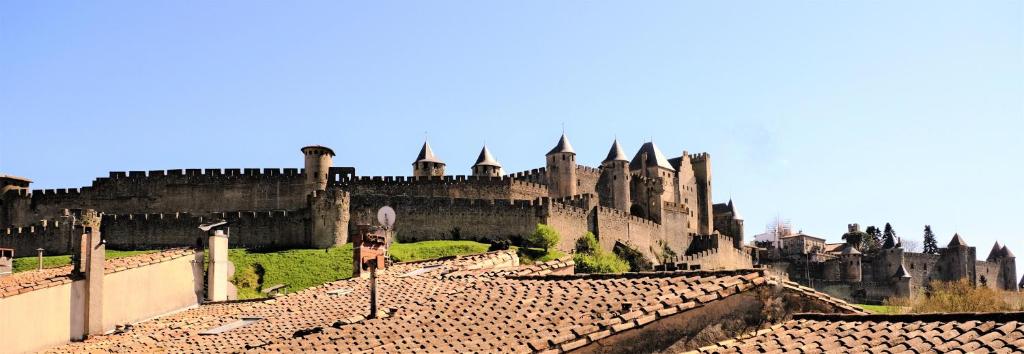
(659, 206)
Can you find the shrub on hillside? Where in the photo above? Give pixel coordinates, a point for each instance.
(590, 258)
(956, 296)
(543, 237)
(637, 261)
(599, 262)
(587, 243)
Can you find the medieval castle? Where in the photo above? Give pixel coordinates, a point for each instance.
(847, 270)
(661, 207)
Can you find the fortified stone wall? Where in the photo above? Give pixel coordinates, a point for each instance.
(675, 230)
(571, 222)
(54, 236)
(615, 225)
(268, 229)
(470, 187)
(537, 175)
(189, 190)
(425, 218)
(987, 274)
(920, 266)
(587, 178)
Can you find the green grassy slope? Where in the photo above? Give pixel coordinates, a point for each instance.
(22, 264)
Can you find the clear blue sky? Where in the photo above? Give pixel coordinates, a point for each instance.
(823, 112)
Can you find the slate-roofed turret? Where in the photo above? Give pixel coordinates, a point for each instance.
(427, 155)
(957, 241)
(648, 156)
(616, 153)
(486, 165)
(563, 146)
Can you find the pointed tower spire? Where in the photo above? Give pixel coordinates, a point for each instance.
(563, 146)
(486, 159)
(902, 272)
(486, 165)
(427, 164)
(616, 153)
(957, 241)
(427, 154)
(1006, 252)
(997, 250)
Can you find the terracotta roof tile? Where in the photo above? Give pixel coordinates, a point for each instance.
(971, 332)
(481, 303)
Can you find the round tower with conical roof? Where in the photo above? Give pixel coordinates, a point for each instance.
(427, 164)
(318, 161)
(615, 171)
(850, 258)
(486, 165)
(561, 169)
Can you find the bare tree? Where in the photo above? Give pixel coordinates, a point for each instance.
(911, 245)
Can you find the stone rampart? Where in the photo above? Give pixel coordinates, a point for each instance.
(429, 218)
(182, 190)
(472, 187)
(249, 229)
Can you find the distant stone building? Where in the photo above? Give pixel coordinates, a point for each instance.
(846, 270)
(659, 206)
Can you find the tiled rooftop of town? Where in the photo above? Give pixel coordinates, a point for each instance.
(912, 333)
(481, 303)
(34, 280)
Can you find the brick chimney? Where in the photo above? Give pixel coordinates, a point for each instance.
(368, 246)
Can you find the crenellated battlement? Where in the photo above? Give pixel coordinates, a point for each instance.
(699, 157)
(413, 204)
(567, 210)
(35, 229)
(450, 179)
(582, 201)
(588, 170)
(208, 172)
(626, 216)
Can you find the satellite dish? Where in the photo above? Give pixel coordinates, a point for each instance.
(386, 216)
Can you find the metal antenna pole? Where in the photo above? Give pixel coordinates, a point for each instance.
(373, 290)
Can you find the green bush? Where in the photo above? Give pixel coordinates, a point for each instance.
(637, 261)
(543, 237)
(587, 243)
(600, 262)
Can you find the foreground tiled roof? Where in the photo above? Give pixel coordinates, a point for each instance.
(22, 282)
(464, 304)
(914, 333)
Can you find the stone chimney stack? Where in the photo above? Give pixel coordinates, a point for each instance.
(218, 288)
(91, 260)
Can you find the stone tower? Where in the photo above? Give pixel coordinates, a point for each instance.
(960, 260)
(318, 163)
(702, 171)
(486, 165)
(901, 282)
(561, 169)
(615, 169)
(1008, 267)
(1002, 256)
(850, 259)
(427, 164)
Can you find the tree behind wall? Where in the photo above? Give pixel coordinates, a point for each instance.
(873, 241)
(931, 246)
(891, 240)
